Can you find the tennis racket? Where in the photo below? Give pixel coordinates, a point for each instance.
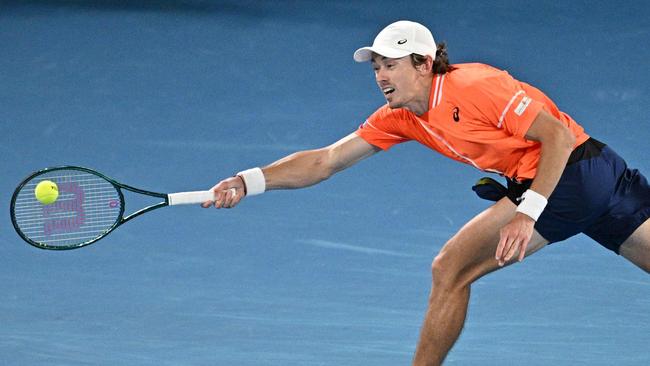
(90, 205)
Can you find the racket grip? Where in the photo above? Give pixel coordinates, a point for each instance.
(188, 198)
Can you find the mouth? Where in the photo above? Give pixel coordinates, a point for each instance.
(388, 90)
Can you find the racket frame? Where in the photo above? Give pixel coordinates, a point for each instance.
(120, 218)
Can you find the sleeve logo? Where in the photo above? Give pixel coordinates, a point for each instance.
(525, 102)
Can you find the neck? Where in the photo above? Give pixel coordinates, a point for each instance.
(420, 105)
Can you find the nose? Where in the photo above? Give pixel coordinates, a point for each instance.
(380, 75)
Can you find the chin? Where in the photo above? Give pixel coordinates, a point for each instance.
(394, 104)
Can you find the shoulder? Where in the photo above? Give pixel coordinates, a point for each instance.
(476, 81)
(476, 69)
(386, 114)
(477, 75)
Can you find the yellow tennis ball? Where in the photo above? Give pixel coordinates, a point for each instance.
(46, 192)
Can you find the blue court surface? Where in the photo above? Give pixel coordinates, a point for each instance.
(176, 95)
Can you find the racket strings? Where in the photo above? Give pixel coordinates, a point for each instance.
(88, 206)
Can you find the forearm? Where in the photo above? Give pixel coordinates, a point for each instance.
(555, 152)
(306, 168)
(301, 169)
(556, 146)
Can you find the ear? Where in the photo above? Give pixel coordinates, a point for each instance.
(427, 67)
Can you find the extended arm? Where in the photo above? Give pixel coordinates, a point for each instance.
(298, 170)
(306, 168)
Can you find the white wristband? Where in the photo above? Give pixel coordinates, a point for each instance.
(254, 181)
(532, 204)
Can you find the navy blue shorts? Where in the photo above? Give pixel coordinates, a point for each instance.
(599, 196)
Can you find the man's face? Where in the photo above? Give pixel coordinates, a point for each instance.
(399, 81)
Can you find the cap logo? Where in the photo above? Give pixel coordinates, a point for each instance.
(402, 41)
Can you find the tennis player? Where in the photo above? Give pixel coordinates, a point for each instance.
(561, 181)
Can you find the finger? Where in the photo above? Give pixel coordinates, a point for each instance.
(499, 251)
(512, 250)
(502, 260)
(236, 197)
(507, 247)
(219, 198)
(209, 203)
(231, 195)
(522, 251)
(502, 243)
(502, 249)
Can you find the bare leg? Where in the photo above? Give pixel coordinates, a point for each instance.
(636, 248)
(466, 257)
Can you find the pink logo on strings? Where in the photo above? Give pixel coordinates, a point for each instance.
(62, 207)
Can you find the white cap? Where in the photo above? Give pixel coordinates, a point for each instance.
(400, 39)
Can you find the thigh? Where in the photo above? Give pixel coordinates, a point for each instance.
(636, 248)
(471, 252)
(628, 210)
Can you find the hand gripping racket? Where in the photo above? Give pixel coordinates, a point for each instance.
(89, 206)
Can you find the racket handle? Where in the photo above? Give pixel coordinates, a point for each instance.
(187, 198)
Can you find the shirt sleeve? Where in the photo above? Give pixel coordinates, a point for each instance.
(384, 128)
(506, 104)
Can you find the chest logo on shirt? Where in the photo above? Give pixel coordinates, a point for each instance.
(456, 116)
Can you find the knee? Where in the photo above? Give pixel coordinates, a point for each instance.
(452, 269)
(444, 270)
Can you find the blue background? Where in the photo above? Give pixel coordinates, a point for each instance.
(176, 95)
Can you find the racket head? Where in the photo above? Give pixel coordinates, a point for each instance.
(89, 206)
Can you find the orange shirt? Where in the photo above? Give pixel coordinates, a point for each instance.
(479, 115)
